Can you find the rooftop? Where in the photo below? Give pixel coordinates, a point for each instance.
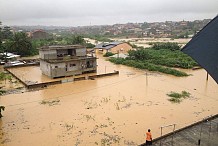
(62, 47)
(9, 55)
(69, 59)
(108, 45)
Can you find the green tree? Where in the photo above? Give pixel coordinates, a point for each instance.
(168, 45)
(75, 40)
(19, 43)
(141, 54)
(145, 25)
(6, 32)
(89, 45)
(1, 37)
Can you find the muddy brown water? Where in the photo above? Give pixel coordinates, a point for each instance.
(115, 110)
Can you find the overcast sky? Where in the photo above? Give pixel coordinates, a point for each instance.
(99, 12)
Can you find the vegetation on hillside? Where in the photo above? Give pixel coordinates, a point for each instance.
(21, 44)
(159, 58)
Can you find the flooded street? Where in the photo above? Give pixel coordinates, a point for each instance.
(115, 110)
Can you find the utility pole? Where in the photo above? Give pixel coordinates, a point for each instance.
(207, 76)
(146, 79)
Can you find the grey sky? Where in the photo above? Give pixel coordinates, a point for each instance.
(96, 12)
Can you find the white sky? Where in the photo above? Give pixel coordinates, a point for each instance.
(99, 12)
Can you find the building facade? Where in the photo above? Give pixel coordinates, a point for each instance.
(60, 61)
(39, 34)
(113, 47)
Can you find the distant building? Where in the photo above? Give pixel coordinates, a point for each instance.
(59, 61)
(183, 23)
(39, 34)
(113, 47)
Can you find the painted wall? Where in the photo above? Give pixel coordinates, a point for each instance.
(122, 48)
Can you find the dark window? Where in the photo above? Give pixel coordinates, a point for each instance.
(56, 66)
(72, 65)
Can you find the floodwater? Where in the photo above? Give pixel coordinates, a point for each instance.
(9, 85)
(144, 42)
(33, 74)
(115, 110)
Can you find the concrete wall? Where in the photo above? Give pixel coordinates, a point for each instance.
(52, 54)
(47, 54)
(62, 52)
(45, 68)
(53, 70)
(73, 65)
(58, 72)
(81, 52)
(58, 69)
(90, 65)
(66, 69)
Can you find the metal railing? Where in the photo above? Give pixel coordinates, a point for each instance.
(171, 125)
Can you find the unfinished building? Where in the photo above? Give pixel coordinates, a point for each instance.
(67, 60)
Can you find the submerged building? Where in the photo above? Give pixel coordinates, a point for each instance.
(68, 60)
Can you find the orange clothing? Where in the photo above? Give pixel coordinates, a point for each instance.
(149, 137)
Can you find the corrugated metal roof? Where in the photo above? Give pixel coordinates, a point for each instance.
(108, 45)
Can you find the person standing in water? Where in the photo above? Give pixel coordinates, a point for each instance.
(148, 138)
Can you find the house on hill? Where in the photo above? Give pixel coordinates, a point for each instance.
(113, 47)
(39, 34)
(60, 61)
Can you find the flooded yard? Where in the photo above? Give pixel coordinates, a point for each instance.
(115, 110)
(33, 75)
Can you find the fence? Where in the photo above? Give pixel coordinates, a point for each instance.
(202, 133)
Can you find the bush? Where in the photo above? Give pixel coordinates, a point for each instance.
(148, 66)
(108, 54)
(89, 45)
(168, 45)
(2, 92)
(159, 58)
(177, 97)
(163, 57)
